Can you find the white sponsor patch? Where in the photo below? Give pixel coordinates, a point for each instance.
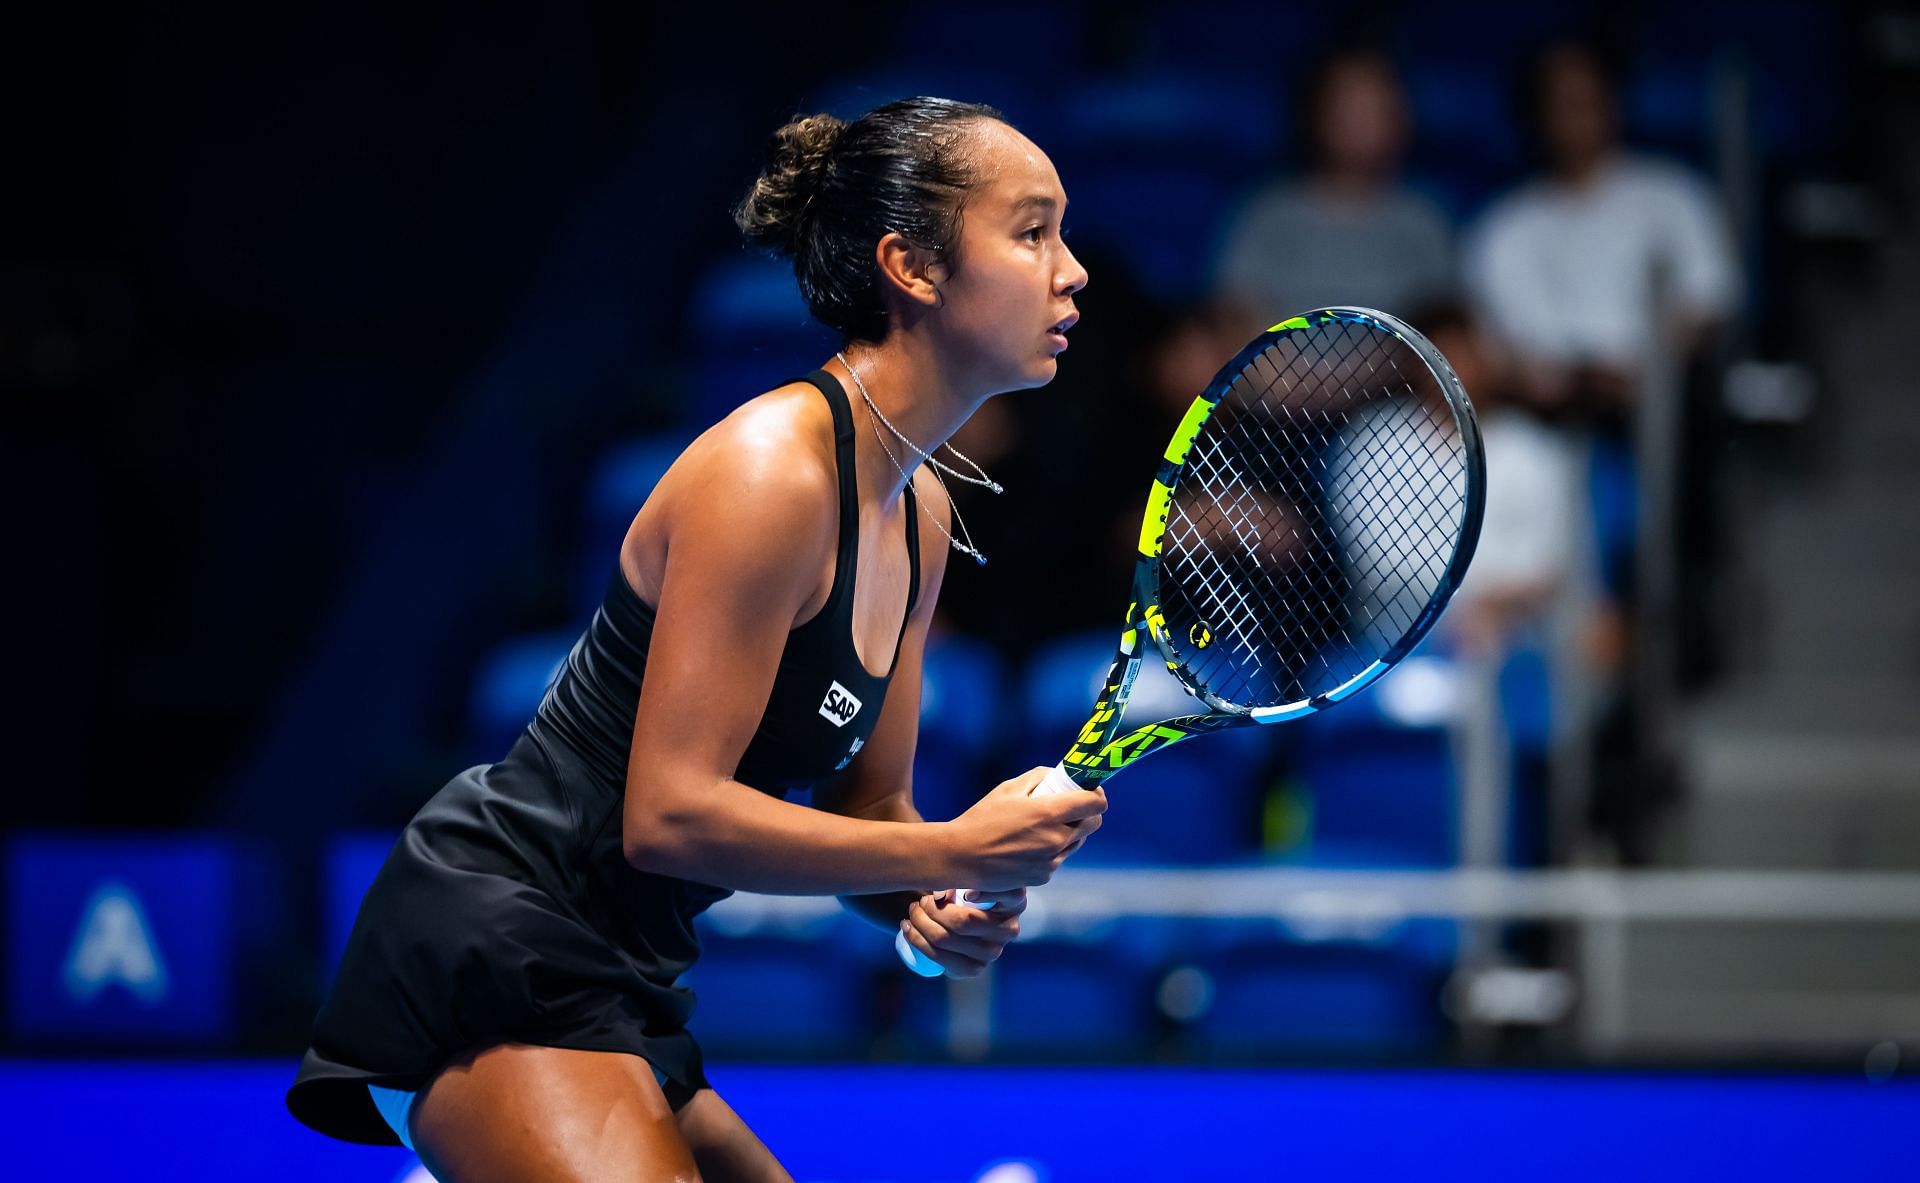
(840, 706)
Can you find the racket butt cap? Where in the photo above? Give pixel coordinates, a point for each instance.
(916, 961)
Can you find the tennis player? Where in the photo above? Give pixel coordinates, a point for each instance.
(507, 1002)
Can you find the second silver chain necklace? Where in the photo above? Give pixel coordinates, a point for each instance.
(876, 417)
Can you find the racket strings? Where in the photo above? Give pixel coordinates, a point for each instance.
(1315, 518)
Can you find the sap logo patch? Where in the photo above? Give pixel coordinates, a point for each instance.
(840, 706)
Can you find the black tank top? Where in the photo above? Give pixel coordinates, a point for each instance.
(508, 911)
(823, 704)
(820, 712)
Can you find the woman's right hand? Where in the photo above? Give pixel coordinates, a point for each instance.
(1010, 838)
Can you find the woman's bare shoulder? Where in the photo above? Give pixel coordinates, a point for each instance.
(767, 466)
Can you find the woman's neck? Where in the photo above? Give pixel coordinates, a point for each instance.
(914, 393)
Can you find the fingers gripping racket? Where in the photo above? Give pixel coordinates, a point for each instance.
(1315, 510)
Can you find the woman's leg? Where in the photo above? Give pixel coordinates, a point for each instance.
(516, 1112)
(727, 1151)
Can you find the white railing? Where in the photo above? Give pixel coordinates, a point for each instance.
(1602, 908)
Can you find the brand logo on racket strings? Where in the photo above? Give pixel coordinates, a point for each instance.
(840, 706)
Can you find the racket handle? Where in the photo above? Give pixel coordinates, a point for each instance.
(1052, 785)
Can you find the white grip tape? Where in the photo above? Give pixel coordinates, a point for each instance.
(1056, 782)
(1051, 785)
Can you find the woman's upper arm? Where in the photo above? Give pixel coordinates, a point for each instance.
(744, 553)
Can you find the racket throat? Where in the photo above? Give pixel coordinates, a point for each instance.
(1124, 750)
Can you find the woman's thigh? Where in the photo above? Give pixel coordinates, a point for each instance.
(516, 1112)
(727, 1151)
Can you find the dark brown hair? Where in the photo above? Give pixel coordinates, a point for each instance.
(831, 189)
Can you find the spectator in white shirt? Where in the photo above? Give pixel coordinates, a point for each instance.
(1579, 269)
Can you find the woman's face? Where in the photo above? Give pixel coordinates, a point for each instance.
(1010, 281)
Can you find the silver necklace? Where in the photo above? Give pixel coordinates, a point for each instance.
(875, 418)
(983, 480)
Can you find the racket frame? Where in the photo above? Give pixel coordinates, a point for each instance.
(1098, 752)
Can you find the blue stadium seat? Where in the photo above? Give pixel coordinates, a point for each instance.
(1384, 797)
(962, 692)
(1211, 121)
(780, 997)
(1059, 999)
(508, 687)
(1289, 1000)
(750, 331)
(1380, 774)
(1194, 804)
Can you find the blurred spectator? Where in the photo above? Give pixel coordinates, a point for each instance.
(1579, 270)
(1604, 277)
(1526, 552)
(1348, 232)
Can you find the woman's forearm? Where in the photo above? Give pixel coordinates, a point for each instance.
(731, 835)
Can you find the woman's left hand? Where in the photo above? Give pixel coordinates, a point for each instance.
(964, 939)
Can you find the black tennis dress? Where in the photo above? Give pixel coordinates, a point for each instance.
(507, 911)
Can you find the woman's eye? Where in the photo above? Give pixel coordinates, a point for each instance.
(1034, 232)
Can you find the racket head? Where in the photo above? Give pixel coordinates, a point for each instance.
(1314, 512)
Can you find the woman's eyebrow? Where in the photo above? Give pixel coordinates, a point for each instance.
(1035, 199)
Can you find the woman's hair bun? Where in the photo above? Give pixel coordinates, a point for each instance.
(831, 191)
(774, 212)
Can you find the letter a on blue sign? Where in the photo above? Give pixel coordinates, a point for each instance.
(115, 936)
(114, 945)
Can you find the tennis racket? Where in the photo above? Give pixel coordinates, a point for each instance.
(1315, 510)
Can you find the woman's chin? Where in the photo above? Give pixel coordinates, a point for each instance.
(1036, 372)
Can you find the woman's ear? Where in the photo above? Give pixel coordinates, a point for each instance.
(910, 269)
